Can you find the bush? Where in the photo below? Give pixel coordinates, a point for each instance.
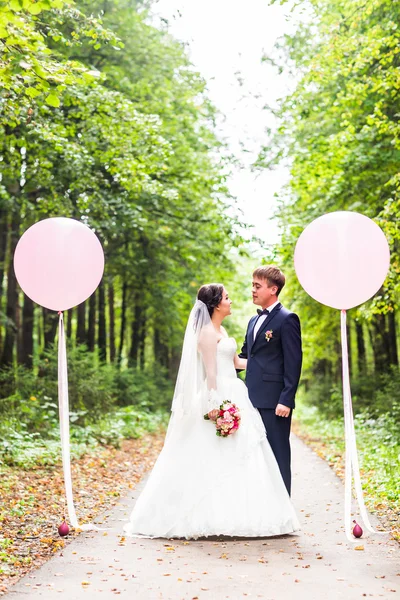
(19, 447)
(95, 389)
(149, 388)
(126, 423)
(91, 383)
(373, 395)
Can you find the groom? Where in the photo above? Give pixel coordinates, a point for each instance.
(273, 350)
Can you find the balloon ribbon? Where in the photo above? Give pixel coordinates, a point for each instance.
(63, 407)
(352, 468)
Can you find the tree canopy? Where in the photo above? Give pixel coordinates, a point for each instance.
(339, 131)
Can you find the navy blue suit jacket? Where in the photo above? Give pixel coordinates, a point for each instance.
(274, 366)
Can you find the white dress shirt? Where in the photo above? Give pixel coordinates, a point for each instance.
(262, 318)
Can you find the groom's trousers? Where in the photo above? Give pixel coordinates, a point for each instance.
(278, 432)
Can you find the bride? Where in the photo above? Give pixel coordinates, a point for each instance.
(202, 484)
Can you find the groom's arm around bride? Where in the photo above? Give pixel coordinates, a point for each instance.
(273, 350)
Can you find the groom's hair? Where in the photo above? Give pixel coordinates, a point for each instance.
(272, 275)
(211, 295)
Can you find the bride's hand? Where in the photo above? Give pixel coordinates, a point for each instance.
(213, 414)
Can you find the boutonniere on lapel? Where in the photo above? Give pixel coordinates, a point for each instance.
(268, 335)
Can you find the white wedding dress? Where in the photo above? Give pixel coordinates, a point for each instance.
(204, 485)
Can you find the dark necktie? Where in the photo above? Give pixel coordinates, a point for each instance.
(262, 312)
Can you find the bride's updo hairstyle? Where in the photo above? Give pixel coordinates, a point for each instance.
(211, 295)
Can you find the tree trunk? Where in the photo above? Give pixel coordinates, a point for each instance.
(174, 363)
(39, 333)
(91, 333)
(102, 334)
(3, 250)
(19, 326)
(25, 354)
(338, 360)
(161, 350)
(12, 295)
(81, 324)
(111, 319)
(361, 354)
(50, 322)
(322, 368)
(69, 323)
(142, 340)
(123, 321)
(349, 348)
(3, 246)
(135, 338)
(379, 344)
(392, 338)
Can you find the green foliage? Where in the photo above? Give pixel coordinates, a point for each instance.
(132, 152)
(95, 388)
(372, 396)
(378, 443)
(30, 71)
(91, 385)
(150, 388)
(339, 131)
(124, 141)
(128, 422)
(25, 449)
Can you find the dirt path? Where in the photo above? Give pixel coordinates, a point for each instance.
(316, 564)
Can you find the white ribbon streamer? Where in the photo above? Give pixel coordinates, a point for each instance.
(352, 468)
(63, 407)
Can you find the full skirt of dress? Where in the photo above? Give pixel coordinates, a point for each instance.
(205, 485)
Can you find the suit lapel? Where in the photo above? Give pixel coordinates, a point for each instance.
(251, 334)
(267, 321)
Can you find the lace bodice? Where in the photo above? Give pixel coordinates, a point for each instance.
(225, 354)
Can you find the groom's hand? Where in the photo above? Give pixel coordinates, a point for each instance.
(282, 410)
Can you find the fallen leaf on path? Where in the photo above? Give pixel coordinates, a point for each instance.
(40, 492)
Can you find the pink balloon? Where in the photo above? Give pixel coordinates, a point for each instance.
(342, 259)
(59, 263)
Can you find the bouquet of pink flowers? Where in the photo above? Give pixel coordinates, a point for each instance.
(227, 420)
